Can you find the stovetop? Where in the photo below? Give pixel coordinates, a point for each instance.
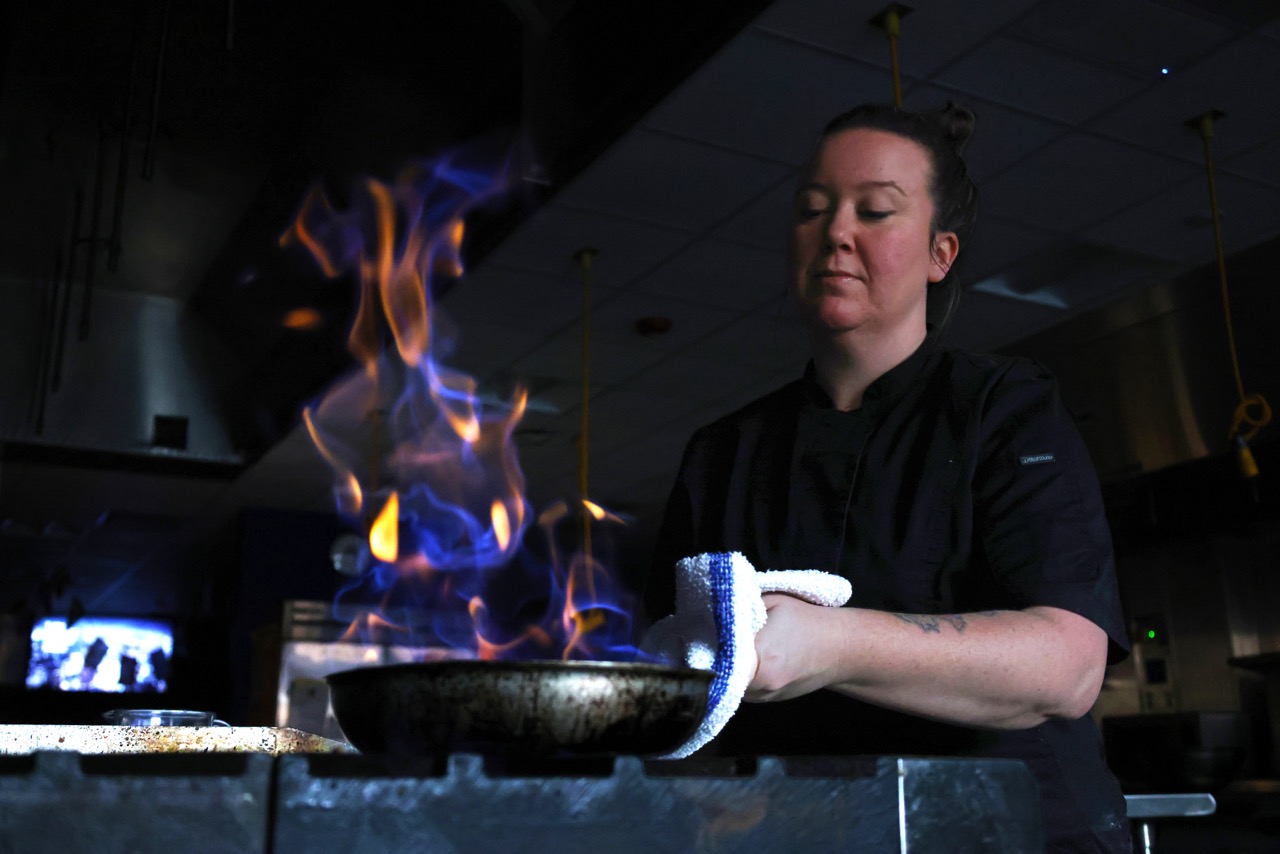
(29, 738)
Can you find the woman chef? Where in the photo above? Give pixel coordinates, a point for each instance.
(950, 488)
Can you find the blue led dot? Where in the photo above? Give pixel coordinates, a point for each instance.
(1164, 71)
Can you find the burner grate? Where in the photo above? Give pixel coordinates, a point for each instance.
(256, 802)
(866, 804)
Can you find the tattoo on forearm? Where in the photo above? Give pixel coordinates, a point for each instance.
(932, 623)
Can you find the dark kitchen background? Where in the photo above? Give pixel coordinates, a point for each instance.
(157, 343)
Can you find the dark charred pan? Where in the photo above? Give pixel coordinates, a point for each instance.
(524, 707)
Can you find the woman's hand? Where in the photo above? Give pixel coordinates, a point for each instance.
(789, 650)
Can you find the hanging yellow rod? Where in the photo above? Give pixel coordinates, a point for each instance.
(889, 19)
(1239, 435)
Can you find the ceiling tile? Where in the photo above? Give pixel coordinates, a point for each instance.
(484, 349)
(560, 358)
(623, 415)
(765, 222)
(766, 338)
(1271, 30)
(996, 243)
(641, 472)
(1079, 180)
(548, 240)
(716, 273)
(932, 35)
(1076, 274)
(1176, 225)
(661, 180)
(1135, 37)
(1240, 79)
(496, 294)
(615, 322)
(692, 379)
(745, 100)
(1037, 80)
(1259, 164)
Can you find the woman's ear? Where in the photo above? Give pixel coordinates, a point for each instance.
(944, 250)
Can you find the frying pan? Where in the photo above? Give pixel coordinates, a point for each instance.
(522, 707)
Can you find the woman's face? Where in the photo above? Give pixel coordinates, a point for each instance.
(861, 255)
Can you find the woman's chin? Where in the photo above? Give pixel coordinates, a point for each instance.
(834, 320)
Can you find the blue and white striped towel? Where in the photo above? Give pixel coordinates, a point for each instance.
(719, 609)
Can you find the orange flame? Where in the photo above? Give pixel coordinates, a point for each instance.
(300, 231)
(487, 650)
(501, 524)
(384, 535)
(304, 318)
(578, 624)
(351, 485)
(368, 622)
(401, 286)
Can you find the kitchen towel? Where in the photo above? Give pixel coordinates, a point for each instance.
(719, 609)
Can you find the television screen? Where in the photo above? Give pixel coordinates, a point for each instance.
(100, 654)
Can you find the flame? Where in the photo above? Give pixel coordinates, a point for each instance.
(501, 524)
(487, 650)
(450, 535)
(302, 319)
(384, 536)
(303, 230)
(367, 624)
(350, 496)
(455, 246)
(401, 285)
(580, 622)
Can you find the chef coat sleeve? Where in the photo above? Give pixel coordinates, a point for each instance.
(1038, 511)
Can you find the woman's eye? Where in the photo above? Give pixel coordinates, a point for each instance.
(874, 215)
(808, 213)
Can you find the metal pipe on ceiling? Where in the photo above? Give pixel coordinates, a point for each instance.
(64, 314)
(50, 330)
(122, 168)
(95, 219)
(157, 82)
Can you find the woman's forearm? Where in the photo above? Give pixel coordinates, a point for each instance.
(999, 669)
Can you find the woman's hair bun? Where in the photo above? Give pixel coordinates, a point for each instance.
(955, 123)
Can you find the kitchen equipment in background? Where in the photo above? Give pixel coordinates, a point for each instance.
(522, 707)
(1268, 665)
(100, 653)
(1146, 810)
(1175, 752)
(1153, 664)
(15, 649)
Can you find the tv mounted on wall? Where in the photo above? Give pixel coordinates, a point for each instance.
(114, 654)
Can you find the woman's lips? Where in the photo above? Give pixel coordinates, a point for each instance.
(834, 275)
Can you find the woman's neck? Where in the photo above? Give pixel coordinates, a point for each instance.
(846, 365)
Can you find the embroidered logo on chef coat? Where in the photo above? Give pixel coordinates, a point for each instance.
(1035, 459)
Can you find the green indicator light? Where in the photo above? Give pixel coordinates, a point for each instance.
(1151, 634)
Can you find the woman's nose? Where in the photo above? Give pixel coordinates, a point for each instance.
(840, 229)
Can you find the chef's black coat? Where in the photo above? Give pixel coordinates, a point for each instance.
(960, 484)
